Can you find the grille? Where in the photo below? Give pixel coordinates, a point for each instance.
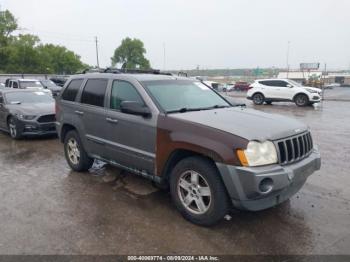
(47, 119)
(294, 148)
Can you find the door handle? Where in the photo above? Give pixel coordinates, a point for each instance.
(111, 120)
(79, 113)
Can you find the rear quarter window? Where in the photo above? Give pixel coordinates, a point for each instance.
(70, 93)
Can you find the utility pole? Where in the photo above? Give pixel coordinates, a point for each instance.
(96, 42)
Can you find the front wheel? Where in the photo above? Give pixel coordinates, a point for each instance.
(301, 100)
(75, 154)
(15, 133)
(198, 192)
(258, 99)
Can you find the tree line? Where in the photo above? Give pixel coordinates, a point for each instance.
(25, 53)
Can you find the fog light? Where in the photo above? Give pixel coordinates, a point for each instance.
(266, 185)
(29, 127)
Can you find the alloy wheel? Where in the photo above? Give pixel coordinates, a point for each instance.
(194, 192)
(73, 151)
(13, 128)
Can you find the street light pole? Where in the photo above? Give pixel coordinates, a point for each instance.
(164, 56)
(288, 58)
(96, 43)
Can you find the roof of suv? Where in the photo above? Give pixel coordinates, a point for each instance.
(272, 79)
(138, 77)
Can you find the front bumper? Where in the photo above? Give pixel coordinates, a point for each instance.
(244, 183)
(29, 128)
(314, 97)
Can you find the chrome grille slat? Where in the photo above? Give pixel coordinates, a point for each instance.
(285, 151)
(294, 148)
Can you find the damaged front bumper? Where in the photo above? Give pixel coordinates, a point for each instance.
(257, 188)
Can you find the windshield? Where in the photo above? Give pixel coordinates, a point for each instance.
(176, 95)
(28, 97)
(48, 83)
(25, 84)
(294, 83)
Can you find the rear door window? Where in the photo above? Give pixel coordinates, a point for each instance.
(94, 92)
(72, 89)
(266, 83)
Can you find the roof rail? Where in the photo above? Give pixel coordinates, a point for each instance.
(134, 71)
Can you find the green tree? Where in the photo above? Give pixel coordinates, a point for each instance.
(130, 54)
(8, 24)
(22, 54)
(59, 60)
(26, 54)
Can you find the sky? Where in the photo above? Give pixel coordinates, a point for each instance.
(184, 34)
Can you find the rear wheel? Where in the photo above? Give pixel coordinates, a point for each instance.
(301, 100)
(76, 156)
(198, 191)
(15, 133)
(258, 99)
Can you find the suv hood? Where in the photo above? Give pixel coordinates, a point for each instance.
(34, 109)
(312, 88)
(246, 123)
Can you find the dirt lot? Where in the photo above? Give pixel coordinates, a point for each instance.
(47, 209)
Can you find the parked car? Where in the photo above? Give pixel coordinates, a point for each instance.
(26, 84)
(211, 84)
(241, 86)
(50, 85)
(212, 155)
(282, 90)
(26, 112)
(2, 85)
(60, 81)
(331, 86)
(228, 87)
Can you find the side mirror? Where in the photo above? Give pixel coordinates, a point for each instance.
(289, 85)
(135, 108)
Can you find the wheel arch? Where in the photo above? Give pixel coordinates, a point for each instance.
(179, 154)
(300, 93)
(64, 130)
(258, 92)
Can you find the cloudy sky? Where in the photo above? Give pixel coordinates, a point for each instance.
(211, 34)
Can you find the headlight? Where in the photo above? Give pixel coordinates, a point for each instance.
(258, 154)
(26, 117)
(311, 90)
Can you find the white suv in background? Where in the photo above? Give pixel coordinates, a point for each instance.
(281, 90)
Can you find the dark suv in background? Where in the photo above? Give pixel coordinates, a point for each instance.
(178, 132)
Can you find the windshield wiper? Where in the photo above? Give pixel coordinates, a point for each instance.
(188, 109)
(183, 110)
(237, 104)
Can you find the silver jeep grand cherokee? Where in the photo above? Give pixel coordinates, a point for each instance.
(182, 134)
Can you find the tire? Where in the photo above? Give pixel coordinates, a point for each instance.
(76, 156)
(301, 100)
(258, 98)
(213, 205)
(15, 132)
(268, 102)
(224, 90)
